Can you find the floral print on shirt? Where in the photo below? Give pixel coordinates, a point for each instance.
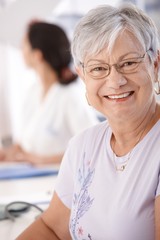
(82, 201)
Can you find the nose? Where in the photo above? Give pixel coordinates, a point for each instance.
(115, 79)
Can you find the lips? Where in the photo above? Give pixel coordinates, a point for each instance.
(119, 96)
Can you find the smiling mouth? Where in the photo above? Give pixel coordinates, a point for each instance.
(119, 96)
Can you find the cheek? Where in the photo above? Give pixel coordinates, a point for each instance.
(145, 85)
(93, 87)
(28, 58)
(149, 81)
(145, 77)
(25, 54)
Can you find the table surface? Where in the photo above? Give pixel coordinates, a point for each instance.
(37, 190)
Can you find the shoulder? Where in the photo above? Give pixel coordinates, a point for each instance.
(91, 134)
(83, 145)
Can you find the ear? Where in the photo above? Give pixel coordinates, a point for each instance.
(80, 72)
(157, 65)
(157, 61)
(38, 56)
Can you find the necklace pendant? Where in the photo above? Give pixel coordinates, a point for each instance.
(121, 168)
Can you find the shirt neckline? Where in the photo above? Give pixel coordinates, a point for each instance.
(151, 131)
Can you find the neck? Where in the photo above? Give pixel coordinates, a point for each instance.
(125, 138)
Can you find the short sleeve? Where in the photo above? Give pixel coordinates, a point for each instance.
(68, 170)
(64, 182)
(80, 147)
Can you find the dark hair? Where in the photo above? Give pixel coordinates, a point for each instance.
(52, 41)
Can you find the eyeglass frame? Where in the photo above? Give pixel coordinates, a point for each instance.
(116, 65)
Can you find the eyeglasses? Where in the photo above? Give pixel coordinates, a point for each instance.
(15, 209)
(102, 70)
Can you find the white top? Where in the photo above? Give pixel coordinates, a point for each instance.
(106, 204)
(48, 124)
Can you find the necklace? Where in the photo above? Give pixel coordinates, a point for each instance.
(122, 166)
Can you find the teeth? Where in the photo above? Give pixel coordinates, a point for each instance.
(123, 95)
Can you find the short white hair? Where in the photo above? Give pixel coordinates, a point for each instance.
(100, 27)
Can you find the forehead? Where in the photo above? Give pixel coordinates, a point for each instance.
(126, 44)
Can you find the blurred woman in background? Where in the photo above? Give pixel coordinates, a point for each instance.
(55, 109)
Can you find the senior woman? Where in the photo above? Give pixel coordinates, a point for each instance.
(112, 170)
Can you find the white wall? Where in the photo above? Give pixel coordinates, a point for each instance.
(5, 124)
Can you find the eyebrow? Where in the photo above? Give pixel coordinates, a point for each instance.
(120, 58)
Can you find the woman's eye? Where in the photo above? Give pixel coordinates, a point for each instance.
(99, 68)
(128, 64)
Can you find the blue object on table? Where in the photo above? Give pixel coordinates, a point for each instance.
(16, 171)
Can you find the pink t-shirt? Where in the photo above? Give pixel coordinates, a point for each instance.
(106, 204)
